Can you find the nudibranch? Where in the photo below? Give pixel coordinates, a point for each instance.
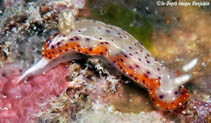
(123, 51)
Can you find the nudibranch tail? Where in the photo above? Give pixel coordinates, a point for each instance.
(34, 69)
(45, 64)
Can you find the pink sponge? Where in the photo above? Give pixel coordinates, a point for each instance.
(18, 102)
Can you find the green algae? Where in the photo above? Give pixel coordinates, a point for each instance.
(117, 14)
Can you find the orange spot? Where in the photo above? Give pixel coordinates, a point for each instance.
(178, 73)
(99, 50)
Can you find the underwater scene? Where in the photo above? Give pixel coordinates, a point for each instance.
(105, 61)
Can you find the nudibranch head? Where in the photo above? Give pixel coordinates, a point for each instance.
(170, 93)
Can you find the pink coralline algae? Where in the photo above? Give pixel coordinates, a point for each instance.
(19, 102)
(202, 109)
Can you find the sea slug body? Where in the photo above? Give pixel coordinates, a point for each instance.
(95, 38)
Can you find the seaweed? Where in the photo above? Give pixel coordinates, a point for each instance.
(129, 20)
